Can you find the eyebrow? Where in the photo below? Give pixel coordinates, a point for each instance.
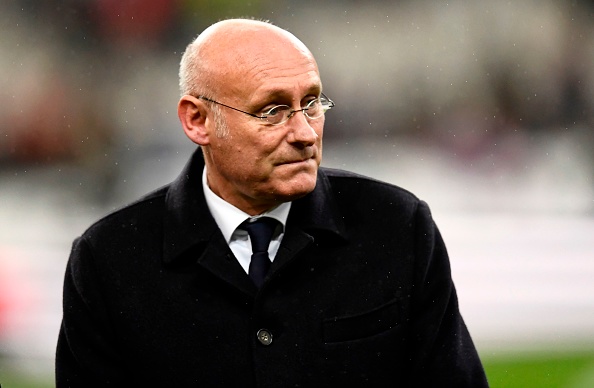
(283, 93)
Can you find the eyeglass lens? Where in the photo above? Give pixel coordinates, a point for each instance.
(313, 110)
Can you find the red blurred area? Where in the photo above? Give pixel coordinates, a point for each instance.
(133, 21)
(16, 293)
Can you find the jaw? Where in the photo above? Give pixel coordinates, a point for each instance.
(295, 179)
(283, 186)
(258, 189)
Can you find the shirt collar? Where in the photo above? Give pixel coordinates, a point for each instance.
(228, 217)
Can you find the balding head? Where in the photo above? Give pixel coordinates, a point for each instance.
(233, 76)
(226, 51)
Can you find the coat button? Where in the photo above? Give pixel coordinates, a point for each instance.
(264, 336)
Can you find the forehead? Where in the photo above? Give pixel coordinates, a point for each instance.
(267, 62)
(281, 76)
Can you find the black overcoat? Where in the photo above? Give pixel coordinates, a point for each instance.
(359, 295)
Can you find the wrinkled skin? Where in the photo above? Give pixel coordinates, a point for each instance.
(255, 66)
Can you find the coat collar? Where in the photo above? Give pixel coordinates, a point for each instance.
(188, 224)
(187, 220)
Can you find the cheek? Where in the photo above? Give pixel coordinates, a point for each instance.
(318, 128)
(320, 132)
(244, 162)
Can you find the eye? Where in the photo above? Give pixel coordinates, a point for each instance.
(312, 102)
(276, 111)
(313, 105)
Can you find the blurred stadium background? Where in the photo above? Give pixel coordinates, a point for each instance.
(483, 108)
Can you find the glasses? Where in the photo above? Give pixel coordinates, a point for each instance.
(280, 114)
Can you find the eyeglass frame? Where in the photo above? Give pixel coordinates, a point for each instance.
(291, 111)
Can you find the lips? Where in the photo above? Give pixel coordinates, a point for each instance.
(303, 156)
(296, 161)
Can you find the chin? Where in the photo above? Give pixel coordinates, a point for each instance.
(293, 181)
(297, 187)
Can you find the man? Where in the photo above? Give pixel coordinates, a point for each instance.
(172, 291)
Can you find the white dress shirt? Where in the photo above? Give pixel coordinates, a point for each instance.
(228, 218)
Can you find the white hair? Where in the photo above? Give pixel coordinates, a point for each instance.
(192, 73)
(189, 70)
(196, 77)
(221, 127)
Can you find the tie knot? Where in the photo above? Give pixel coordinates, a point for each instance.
(260, 231)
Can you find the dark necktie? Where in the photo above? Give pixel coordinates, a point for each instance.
(260, 232)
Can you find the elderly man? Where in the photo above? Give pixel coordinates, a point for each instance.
(256, 268)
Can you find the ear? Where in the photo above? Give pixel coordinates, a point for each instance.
(192, 115)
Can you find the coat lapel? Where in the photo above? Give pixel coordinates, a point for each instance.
(218, 259)
(190, 230)
(314, 218)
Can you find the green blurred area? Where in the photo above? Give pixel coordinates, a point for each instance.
(545, 369)
(542, 370)
(10, 379)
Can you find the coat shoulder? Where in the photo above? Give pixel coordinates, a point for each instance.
(337, 176)
(361, 190)
(147, 209)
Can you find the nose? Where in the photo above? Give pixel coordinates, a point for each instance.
(301, 132)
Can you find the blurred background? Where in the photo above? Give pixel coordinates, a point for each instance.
(485, 109)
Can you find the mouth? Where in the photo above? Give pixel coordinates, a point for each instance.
(306, 156)
(296, 161)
